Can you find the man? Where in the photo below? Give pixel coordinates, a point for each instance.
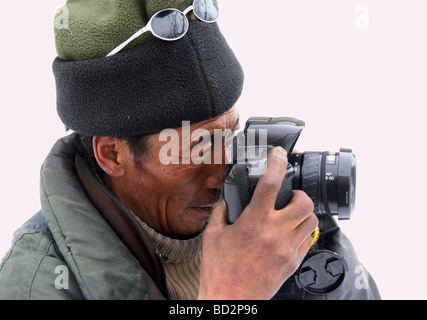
(118, 223)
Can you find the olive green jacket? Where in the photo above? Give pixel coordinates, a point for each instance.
(68, 250)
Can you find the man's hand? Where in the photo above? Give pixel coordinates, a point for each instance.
(252, 258)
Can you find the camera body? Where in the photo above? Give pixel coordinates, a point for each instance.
(329, 179)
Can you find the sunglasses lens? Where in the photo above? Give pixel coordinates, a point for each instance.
(206, 10)
(169, 24)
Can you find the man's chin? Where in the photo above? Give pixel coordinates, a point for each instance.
(196, 222)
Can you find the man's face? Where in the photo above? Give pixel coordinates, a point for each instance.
(176, 199)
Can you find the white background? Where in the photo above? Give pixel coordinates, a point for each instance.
(354, 87)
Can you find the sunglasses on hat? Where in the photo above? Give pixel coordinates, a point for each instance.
(172, 24)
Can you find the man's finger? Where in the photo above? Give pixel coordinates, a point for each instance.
(218, 218)
(304, 248)
(298, 210)
(306, 228)
(270, 182)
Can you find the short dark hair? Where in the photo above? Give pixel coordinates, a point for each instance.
(138, 145)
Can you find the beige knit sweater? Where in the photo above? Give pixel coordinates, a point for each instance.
(181, 259)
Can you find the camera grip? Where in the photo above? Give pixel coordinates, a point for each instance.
(286, 193)
(238, 190)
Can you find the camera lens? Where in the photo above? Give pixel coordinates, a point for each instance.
(329, 179)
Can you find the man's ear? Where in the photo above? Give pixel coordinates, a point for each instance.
(109, 153)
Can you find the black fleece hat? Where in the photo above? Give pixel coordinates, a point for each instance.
(151, 87)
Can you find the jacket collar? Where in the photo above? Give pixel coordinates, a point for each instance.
(102, 264)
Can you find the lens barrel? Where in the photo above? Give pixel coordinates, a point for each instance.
(329, 179)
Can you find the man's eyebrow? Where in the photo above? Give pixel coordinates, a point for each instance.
(212, 136)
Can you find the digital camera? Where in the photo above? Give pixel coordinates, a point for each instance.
(328, 178)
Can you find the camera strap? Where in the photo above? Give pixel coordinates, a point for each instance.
(243, 185)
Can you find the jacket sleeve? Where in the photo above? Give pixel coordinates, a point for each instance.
(358, 284)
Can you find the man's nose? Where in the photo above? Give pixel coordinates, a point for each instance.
(215, 176)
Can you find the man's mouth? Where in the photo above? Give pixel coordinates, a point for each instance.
(206, 207)
(205, 211)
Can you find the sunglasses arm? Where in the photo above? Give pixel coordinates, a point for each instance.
(124, 44)
(186, 11)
